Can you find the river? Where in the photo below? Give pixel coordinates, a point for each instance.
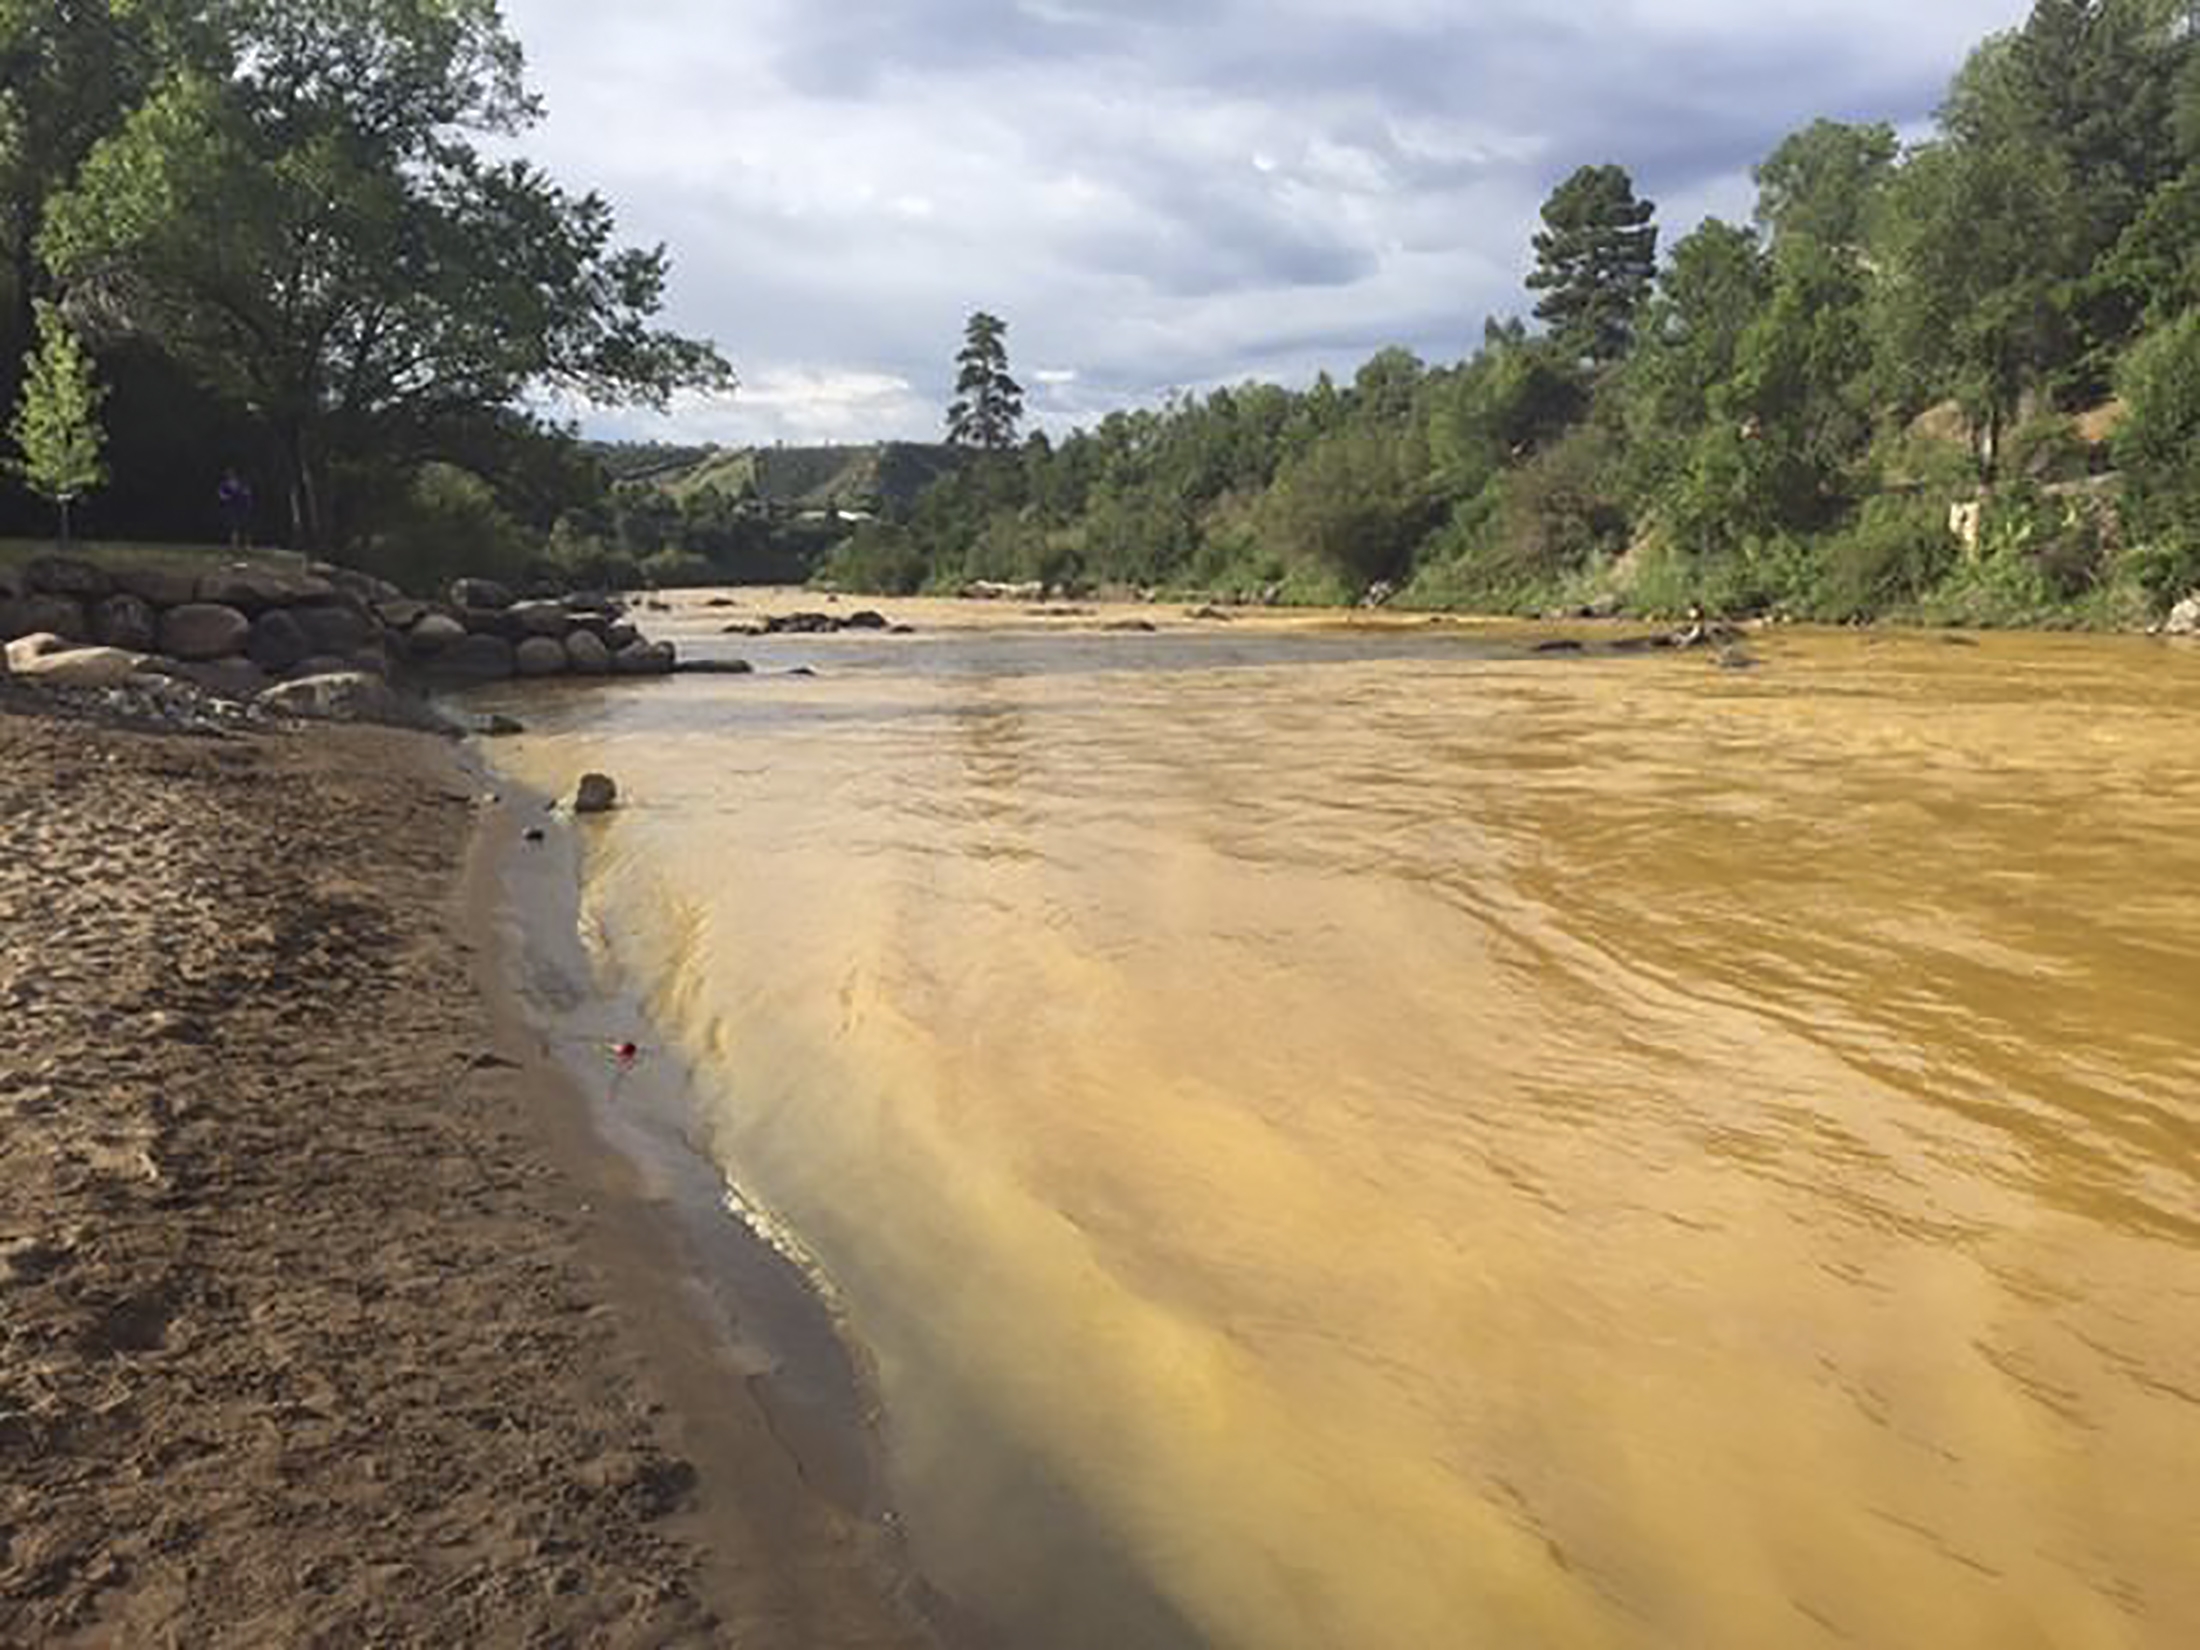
(1370, 1137)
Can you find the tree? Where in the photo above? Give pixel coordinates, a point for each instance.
(1595, 257)
(988, 403)
(56, 426)
(300, 215)
(1821, 182)
(2158, 448)
(1977, 248)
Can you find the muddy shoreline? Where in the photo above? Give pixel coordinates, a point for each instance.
(324, 1315)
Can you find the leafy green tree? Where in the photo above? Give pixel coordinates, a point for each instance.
(308, 223)
(1711, 291)
(2158, 447)
(1977, 248)
(1595, 257)
(989, 404)
(56, 427)
(1821, 183)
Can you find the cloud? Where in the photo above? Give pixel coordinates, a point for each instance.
(1156, 194)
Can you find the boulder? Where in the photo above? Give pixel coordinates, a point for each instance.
(487, 593)
(619, 636)
(597, 793)
(163, 585)
(646, 659)
(235, 677)
(350, 696)
(66, 576)
(335, 627)
(81, 667)
(539, 656)
(476, 659)
(434, 634)
(318, 664)
(252, 587)
(541, 619)
(2184, 618)
(203, 630)
(23, 649)
(486, 621)
(363, 587)
(374, 659)
(586, 655)
(62, 616)
(864, 619)
(400, 612)
(279, 642)
(126, 621)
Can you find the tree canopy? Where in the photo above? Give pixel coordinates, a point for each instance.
(299, 207)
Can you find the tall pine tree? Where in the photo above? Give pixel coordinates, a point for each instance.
(988, 403)
(1595, 258)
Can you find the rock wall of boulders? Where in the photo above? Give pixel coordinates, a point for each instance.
(240, 628)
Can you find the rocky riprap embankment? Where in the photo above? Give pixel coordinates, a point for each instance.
(315, 641)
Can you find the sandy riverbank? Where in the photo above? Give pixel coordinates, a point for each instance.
(322, 1317)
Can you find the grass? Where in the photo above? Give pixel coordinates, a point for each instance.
(14, 553)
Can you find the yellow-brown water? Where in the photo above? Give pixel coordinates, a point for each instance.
(1378, 1140)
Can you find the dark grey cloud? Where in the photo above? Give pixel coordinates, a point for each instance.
(1164, 193)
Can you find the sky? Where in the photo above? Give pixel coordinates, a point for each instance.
(1155, 195)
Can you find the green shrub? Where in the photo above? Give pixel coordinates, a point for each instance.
(2158, 448)
(1898, 548)
(444, 523)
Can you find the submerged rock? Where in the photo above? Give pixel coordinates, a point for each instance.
(597, 793)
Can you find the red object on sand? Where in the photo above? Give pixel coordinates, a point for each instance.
(625, 1053)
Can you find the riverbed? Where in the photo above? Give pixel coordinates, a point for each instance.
(1364, 1134)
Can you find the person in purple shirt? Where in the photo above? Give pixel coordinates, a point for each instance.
(235, 497)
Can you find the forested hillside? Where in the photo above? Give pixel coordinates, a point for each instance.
(1792, 414)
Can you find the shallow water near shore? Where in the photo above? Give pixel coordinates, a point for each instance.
(1366, 1136)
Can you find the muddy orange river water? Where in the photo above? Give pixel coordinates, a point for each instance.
(1376, 1138)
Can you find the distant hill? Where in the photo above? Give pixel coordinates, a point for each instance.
(867, 479)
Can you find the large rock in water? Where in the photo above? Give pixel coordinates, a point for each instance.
(203, 630)
(126, 621)
(646, 659)
(586, 654)
(2184, 618)
(350, 696)
(597, 793)
(539, 656)
(433, 634)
